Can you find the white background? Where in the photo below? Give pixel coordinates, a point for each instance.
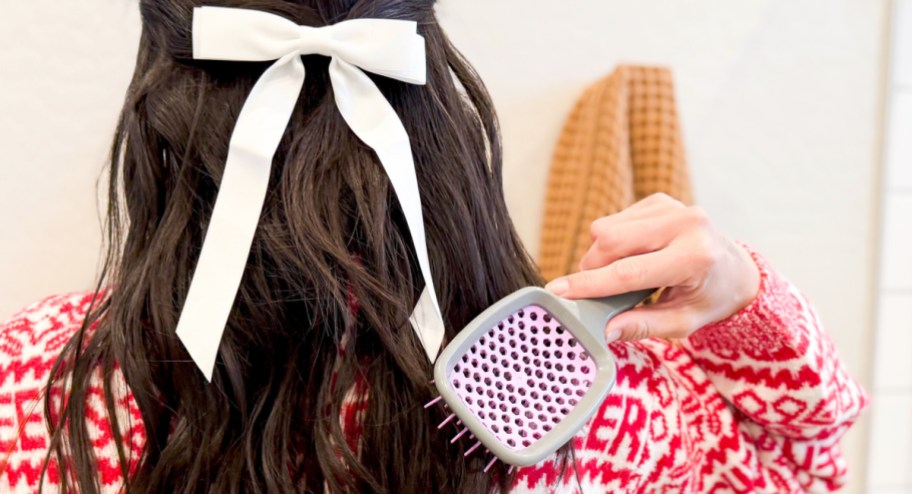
(782, 106)
(890, 450)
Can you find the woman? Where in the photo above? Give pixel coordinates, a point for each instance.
(320, 379)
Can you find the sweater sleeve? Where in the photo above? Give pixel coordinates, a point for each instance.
(30, 343)
(774, 362)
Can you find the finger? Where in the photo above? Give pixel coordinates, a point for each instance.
(652, 270)
(630, 238)
(652, 321)
(644, 208)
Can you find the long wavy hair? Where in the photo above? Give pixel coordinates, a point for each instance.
(331, 280)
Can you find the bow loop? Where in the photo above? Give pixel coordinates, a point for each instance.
(241, 35)
(388, 47)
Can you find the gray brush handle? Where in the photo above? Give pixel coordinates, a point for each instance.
(596, 312)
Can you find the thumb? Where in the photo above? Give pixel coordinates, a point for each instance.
(652, 321)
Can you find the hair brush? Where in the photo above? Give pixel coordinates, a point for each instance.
(527, 373)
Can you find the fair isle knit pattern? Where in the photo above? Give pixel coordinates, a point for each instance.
(755, 403)
(29, 344)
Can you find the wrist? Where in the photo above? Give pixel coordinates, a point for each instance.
(750, 278)
(762, 329)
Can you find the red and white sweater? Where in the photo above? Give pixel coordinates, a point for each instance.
(754, 403)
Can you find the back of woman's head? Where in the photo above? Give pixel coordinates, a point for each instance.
(322, 311)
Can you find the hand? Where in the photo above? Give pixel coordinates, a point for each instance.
(659, 242)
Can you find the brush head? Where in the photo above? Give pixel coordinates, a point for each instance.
(526, 374)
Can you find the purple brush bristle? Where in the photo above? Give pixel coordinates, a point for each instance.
(523, 376)
(527, 373)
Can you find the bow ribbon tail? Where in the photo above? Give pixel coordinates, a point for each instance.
(236, 213)
(427, 322)
(374, 121)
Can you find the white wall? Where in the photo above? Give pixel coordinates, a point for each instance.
(890, 454)
(64, 67)
(781, 106)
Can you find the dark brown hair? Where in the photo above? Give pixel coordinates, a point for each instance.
(331, 256)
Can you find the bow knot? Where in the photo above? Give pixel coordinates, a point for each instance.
(388, 47)
(315, 40)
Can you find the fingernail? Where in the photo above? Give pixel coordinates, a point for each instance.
(558, 286)
(612, 335)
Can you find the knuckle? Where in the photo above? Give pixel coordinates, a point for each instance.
(706, 260)
(588, 261)
(653, 199)
(598, 247)
(705, 253)
(697, 216)
(597, 227)
(628, 270)
(661, 196)
(585, 261)
(580, 282)
(608, 239)
(701, 259)
(666, 200)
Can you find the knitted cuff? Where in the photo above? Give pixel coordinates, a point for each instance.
(763, 329)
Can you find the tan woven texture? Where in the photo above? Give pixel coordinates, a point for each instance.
(621, 143)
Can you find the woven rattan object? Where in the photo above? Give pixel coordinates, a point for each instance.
(622, 142)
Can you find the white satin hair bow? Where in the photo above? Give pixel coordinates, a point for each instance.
(387, 47)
